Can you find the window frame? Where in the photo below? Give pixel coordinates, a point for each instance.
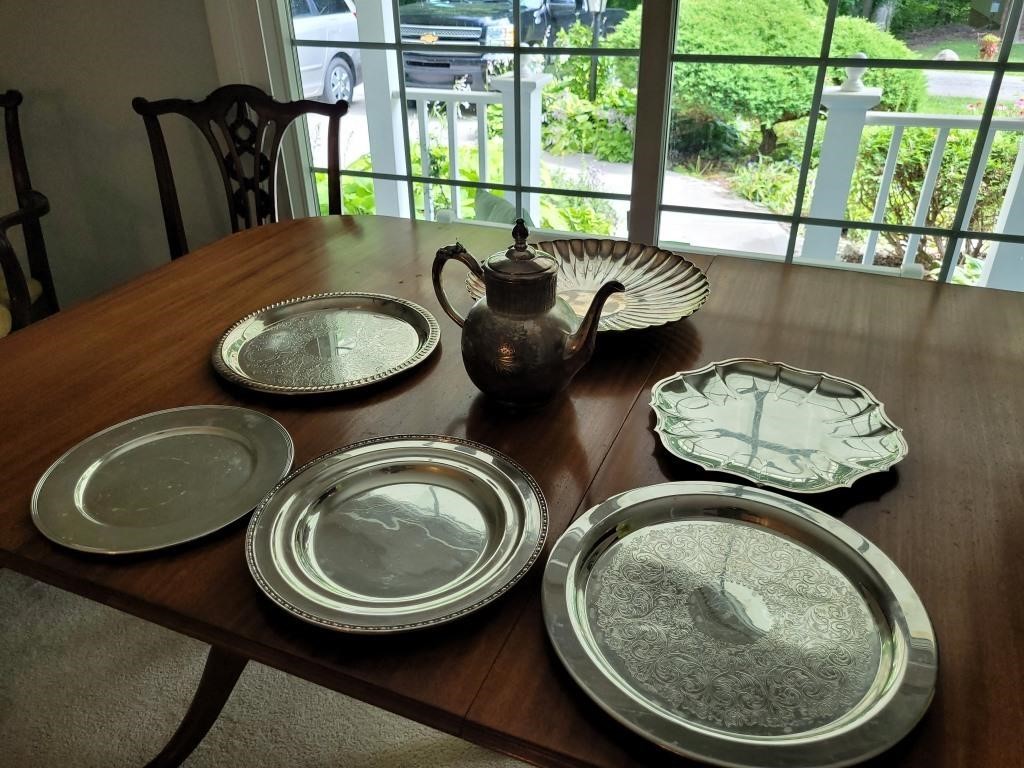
(657, 56)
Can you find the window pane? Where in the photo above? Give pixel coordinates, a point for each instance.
(579, 24)
(750, 27)
(583, 215)
(353, 137)
(907, 30)
(735, 142)
(587, 127)
(723, 233)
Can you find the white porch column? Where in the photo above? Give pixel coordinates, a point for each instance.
(530, 108)
(384, 110)
(1004, 267)
(847, 105)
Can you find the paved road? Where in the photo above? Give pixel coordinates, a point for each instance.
(972, 85)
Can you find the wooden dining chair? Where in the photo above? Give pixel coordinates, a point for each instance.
(24, 297)
(244, 128)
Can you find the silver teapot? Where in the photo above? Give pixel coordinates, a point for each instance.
(521, 343)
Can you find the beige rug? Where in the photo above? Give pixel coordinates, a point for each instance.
(84, 685)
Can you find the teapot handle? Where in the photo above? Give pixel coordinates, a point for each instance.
(443, 254)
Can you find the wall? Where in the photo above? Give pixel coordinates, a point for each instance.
(79, 63)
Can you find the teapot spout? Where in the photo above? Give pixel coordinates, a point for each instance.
(581, 344)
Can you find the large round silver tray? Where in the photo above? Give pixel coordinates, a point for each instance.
(326, 343)
(739, 627)
(161, 479)
(661, 286)
(776, 425)
(396, 533)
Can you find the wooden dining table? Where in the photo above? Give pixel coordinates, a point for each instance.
(947, 361)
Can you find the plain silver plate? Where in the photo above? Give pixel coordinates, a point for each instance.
(776, 425)
(661, 286)
(396, 533)
(161, 479)
(739, 627)
(326, 343)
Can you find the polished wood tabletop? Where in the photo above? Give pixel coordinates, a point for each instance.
(946, 360)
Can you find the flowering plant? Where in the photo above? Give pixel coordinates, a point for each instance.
(989, 47)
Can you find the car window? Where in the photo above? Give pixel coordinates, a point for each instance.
(300, 8)
(331, 6)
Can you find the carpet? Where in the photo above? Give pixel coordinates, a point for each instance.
(82, 684)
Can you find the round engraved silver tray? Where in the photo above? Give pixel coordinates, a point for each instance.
(326, 343)
(396, 533)
(161, 479)
(776, 425)
(661, 286)
(739, 627)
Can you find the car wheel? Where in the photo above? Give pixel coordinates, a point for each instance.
(338, 82)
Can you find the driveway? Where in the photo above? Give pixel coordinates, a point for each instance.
(972, 85)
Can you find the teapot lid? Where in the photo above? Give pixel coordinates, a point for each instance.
(521, 261)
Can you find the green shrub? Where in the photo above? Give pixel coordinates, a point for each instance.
(571, 122)
(696, 132)
(768, 182)
(912, 15)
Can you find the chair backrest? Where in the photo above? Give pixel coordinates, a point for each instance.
(31, 207)
(244, 128)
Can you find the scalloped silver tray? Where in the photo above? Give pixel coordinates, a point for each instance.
(661, 286)
(776, 425)
(326, 343)
(161, 479)
(396, 533)
(739, 627)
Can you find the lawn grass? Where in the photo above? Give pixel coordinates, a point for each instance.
(948, 105)
(966, 49)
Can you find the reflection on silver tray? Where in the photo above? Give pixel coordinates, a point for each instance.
(776, 425)
(661, 286)
(161, 479)
(326, 343)
(396, 533)
(739, 627)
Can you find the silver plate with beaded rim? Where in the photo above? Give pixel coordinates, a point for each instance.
(739, 627)
(326, 343)
(661, 286)
(396, 533)
(776, 425)
(161, 479)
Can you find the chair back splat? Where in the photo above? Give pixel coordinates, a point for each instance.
(23, 298)
(244, 128)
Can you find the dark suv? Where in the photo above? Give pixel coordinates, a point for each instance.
(474, 22)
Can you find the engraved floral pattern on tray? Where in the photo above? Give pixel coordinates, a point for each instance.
(733, 627)
(328, 347)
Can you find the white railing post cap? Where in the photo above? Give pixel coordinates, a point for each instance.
(853, 82)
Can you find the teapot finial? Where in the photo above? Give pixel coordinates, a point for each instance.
(519, 233)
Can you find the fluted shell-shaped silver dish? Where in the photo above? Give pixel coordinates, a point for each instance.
(328, 342)
(776, 425)
(661, 286)
(739, 627)
(396, 533)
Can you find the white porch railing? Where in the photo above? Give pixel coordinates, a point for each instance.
(504, 95)
(848, 108)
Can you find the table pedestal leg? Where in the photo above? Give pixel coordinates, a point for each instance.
(219, 677)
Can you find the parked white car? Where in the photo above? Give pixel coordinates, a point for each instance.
(328, 73)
